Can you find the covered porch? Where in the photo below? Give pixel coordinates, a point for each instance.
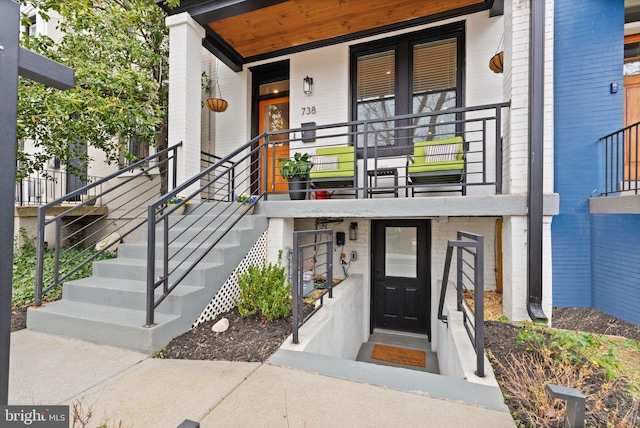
(294, 74)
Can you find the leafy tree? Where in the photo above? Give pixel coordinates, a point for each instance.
(119, 50)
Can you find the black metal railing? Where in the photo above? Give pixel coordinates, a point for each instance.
(469, 289)
(384, 154)
(186, 241)
(207, 160)
(621, 161)
(114, 210)
(312, 274)
(48, 185)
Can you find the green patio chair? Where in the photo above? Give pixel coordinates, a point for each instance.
(436, 162)
(334, 168)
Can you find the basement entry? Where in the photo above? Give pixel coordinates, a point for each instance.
(401, 275)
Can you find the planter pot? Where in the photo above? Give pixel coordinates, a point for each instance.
(297, 188)
(246, 208)
(217, 104)
(496, 62)
(178, 211)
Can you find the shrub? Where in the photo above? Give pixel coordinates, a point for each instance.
(264, 291)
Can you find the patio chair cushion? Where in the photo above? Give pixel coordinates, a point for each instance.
(321, 163)
(438, 155)
(344, 167)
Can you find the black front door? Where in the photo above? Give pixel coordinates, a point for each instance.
(401, 286)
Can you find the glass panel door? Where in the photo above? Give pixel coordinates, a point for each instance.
(400, 258)
(274, 116)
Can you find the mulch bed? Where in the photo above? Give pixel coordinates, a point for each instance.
(602, 401)
(593, 321)
(248, 338)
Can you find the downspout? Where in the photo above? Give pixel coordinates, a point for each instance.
(536, 160)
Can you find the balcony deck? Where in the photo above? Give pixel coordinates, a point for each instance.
(389, 207)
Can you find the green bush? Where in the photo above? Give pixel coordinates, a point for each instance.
(264, 291)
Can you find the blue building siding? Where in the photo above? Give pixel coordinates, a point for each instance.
(616, 265)
(588, 57)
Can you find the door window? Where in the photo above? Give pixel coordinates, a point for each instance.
(401, 255)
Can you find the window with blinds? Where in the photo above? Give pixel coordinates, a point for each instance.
(410, 74)
(376, 91)
(434, 88)
(434, 66)
(376, 76)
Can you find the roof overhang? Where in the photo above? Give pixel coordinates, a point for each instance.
(244, 31)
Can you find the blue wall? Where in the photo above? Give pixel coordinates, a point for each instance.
(616, 265)
(588, 57)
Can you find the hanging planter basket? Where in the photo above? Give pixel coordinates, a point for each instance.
(496, 62)
(217, 104)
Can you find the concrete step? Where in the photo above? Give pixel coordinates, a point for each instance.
(189, 251)
(110, 307)
(109, 325)
(183, 231)
(125, 293)
(182, 235)
(136, 269)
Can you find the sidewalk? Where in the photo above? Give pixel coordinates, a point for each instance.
(129, 387)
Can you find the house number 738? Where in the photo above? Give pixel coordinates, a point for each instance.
(308, 110)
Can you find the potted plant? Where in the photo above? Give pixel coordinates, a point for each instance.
(296, 171)
(177, 199)
(246, 201)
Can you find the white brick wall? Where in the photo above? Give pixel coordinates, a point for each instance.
(516, 89)
(185, 68)
(208, 118)
(442, 230)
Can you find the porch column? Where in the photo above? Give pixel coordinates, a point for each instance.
(185, 69)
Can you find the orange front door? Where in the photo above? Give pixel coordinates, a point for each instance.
(631, 116)
(274, 116)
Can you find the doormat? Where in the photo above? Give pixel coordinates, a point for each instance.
(408, 357)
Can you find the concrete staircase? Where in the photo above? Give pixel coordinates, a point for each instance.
(109, 307)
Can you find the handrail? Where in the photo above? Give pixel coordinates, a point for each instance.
(319, 273)
(389, 142)
(620, 173)
(208, 159)
(217, 184)
(469, 244)
(82, 224)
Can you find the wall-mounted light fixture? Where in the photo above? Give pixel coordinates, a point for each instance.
(353, 232)
(307, 85)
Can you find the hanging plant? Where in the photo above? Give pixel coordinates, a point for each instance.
(497, 61)
(215, 104)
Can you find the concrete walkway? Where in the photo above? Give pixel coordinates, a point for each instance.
(129, 387)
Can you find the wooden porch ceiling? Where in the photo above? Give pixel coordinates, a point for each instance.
(242, 31)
